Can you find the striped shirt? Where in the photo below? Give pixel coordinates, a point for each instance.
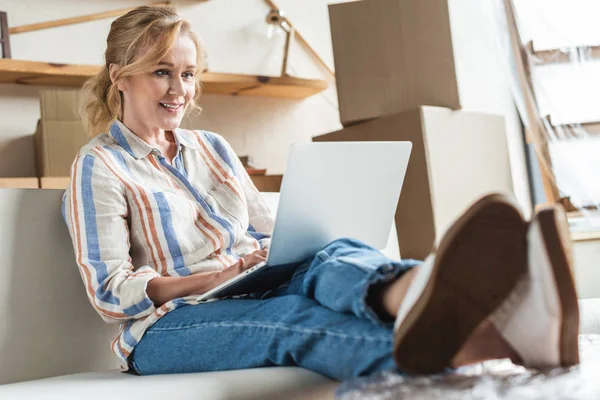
(133, 216)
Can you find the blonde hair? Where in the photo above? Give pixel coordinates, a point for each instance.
(130, 36)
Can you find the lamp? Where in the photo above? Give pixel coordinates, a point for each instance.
(276, 17)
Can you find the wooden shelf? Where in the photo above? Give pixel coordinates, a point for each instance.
(24, 183)
(40, 73)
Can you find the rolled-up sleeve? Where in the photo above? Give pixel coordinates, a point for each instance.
(95, 210)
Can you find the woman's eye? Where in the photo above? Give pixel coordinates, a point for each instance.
(188, 75)
(161, 72)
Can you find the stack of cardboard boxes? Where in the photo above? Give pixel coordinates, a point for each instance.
(58, 137)
(396, 81)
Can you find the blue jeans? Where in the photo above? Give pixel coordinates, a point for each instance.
(320, 320)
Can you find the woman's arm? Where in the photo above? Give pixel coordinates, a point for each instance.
(163, 289)
(95, 210)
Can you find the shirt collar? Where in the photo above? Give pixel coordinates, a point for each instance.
(185, 138)
(137, 147)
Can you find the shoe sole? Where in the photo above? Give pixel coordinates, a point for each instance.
(484, 253)
(556, 236)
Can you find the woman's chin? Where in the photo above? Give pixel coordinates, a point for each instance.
(171, 123)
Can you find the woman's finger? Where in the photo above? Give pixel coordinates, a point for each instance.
(262, 253)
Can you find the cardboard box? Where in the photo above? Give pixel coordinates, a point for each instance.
(60, 104)
(392, 56)
(267, 183)
(457, 156)
(22, 183)
(60, 132)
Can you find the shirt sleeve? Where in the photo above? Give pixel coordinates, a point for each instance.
(261, 221)
(95, 210)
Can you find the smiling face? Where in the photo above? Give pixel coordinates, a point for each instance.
(157, 99)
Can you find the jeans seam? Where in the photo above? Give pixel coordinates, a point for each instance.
(273, 326)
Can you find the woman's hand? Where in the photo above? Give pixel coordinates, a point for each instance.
(254, 258)
(244, 263)
(163, 289)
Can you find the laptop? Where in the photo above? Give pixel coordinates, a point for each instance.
(330, 190)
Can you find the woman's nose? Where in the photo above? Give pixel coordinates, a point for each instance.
(177, 87)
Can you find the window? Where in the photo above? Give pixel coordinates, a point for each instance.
(562, 41)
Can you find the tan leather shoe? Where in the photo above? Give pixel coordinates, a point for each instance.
(479, 261)
(540, 319)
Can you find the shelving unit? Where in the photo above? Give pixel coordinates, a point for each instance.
(40, 73)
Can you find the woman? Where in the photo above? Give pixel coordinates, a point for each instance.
(159, 215)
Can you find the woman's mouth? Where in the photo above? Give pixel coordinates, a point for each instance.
(172, 107)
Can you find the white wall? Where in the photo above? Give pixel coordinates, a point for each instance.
(236, 41)
(484, 81)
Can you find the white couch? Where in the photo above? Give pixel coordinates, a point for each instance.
(49, 330)
(54, 346)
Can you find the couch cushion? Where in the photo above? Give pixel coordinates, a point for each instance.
(48, 326)
(261, 383)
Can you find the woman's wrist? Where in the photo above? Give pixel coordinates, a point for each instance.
(163, 289)
(203, 282)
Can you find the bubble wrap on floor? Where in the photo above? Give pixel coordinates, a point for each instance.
(494, 380)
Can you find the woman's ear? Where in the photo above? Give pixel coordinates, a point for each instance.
(112, 73)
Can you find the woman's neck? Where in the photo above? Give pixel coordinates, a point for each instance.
(155, 137)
